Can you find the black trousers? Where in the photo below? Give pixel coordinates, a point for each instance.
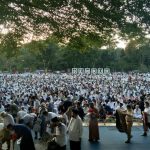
(27, 144)
(62, 148)
(75, 145)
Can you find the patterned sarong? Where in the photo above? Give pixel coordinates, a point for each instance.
(120, 121)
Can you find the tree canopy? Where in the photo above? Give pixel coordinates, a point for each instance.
(85, 25)
(48, 55)
(70, 18)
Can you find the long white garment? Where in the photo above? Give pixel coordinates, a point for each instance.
(61, 135)
(8, 119)
(75, 129)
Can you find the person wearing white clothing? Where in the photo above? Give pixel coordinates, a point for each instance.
(48, 117)
(7, 119)
(60, 133)
(75, 131)
(137, 112)
(21, 114)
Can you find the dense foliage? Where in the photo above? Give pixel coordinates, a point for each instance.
(70, 18)
(50, 55)
(73, 33)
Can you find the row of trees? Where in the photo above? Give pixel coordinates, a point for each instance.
(68, 19)
(77, 31)
(65, 18)
(81, 52)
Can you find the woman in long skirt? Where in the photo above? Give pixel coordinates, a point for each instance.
(93, 123)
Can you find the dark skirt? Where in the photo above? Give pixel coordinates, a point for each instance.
(93, 129)
(121, 122)
(27, 144)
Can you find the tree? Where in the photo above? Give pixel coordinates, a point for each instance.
(44, 51)
(27, 60)
(10, 45)
(67, 18)
(144, 52)
(48, 56)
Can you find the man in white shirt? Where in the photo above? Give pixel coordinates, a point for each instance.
(146, 117)
(60, 133)
(75, 131)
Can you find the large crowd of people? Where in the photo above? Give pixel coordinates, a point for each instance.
(60, 103)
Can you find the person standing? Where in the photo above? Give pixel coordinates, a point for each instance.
(63, 116)
(93, 123)
(75, 131)
(80, 110)
(129, 122)
(146, 114)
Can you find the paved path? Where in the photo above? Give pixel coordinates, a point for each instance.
(112, 139)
